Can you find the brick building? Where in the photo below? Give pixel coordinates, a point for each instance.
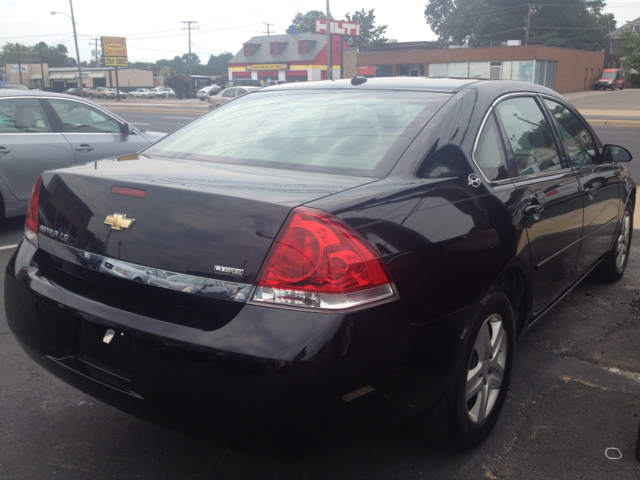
(561, 69)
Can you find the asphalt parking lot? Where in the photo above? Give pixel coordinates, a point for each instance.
(572, 412)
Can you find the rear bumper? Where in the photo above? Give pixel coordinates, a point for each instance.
(268, 372)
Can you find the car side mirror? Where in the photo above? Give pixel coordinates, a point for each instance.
(615, 153)
(127, 129)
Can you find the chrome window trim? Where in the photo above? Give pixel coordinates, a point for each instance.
(481, 129)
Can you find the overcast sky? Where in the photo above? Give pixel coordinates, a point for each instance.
(154, 29)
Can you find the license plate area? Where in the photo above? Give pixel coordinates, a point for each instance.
(105, 348)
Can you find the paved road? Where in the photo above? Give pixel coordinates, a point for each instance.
(575, 393)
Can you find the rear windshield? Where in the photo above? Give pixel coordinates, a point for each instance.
(346, 132)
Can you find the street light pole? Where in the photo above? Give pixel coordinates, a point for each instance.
(75, 39)
(329, 46)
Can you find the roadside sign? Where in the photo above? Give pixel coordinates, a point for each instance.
(349, 29)
(114, 50)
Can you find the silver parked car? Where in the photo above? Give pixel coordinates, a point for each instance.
(228, 94)
(43, 130)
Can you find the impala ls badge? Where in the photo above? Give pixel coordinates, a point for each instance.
(119, 221)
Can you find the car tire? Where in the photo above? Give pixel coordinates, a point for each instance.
(469, 408)
(615, 261)
(130, 96)
(91, 95)
(622, 87)
(613, 87)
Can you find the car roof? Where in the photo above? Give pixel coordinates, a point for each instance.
(423, 84)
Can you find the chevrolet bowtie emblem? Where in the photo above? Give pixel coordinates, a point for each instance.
(118, 221)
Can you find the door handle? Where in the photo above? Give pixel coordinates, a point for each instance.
(533, 209)
(4, 151)
(84, 148)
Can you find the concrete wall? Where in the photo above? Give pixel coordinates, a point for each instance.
(131, 78)
(32, 69)
(350, 62)
(576, 69)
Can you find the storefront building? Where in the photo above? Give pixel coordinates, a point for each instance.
(561, 69)
(299, 57)
(59, 79)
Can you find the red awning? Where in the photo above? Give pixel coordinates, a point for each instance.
(241, 74)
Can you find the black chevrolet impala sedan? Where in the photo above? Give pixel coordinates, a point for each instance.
(344, 255)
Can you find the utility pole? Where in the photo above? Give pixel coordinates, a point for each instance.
(526, 38)
(41, 67)
(268, 32)
(189, 27)
(329, 49)
(19, 64)
(95, 51)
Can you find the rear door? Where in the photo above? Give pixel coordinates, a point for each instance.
(550, 196)
(29, 145)
(599, 183)
(93, 133)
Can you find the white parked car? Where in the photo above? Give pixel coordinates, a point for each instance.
(141, 92)
(166, 92)
(228, 94)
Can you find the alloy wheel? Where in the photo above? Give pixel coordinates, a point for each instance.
(623, 240)
(486, 369)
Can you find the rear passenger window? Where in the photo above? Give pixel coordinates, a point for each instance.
(490, 152)
(530, 137)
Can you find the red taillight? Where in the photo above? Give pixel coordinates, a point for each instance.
(320, 262)
(31, 220)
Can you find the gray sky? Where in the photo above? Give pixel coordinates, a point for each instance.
(154, 29)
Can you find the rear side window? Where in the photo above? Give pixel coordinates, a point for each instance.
(22, 115)
(530, 136)
(489, 154)
(360, 133)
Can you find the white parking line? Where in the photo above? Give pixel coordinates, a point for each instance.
(180, 118)
(7, 247)
(141, 124)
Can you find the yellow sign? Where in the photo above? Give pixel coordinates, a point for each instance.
(269, 66)
(115, 62)
(114, 50)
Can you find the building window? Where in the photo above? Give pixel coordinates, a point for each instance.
(302, 46)
(415, 70)
(635, 28)
(384, 71)
(273, 48)
(247, 50)
(613, 46)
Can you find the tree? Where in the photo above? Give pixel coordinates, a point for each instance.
(304, 21)
(630, 50)
(217, 64)
(54, 56)
(579, 24)
(370, 35)
(179, 83)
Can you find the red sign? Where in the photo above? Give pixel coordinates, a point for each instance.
(369, 70)
(350, 29)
